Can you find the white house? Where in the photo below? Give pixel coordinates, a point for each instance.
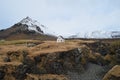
(60, 39)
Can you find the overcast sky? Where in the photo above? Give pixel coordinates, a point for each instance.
(63, 16)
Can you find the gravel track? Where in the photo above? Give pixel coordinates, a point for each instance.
(93, 72)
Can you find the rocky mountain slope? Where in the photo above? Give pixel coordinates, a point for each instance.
(27, 29)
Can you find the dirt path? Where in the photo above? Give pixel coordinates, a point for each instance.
(92, 73)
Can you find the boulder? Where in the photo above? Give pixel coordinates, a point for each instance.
(7, 59)
(113, 74)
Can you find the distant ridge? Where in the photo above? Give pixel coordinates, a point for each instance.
(98, 35)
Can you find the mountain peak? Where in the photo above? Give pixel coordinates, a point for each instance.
(28, 17)
(28, 21)
(36, 26)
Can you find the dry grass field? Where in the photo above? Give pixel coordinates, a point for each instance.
(49, 60)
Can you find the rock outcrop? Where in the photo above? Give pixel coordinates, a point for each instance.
(49, 63)
(113, 74)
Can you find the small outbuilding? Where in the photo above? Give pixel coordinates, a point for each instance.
(60, 39)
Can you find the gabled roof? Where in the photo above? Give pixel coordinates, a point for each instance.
(61, 37)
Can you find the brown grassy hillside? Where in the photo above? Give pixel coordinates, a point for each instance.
(34, 59)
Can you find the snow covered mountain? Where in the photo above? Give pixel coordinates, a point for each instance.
(27, 29)
(97, 34)
(36, 26)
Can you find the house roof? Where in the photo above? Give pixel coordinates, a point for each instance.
(61, 37)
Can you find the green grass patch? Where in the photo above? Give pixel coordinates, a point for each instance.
(14, 42)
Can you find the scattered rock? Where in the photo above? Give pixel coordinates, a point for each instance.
(31, 45)
(118, 55)
(99, 47)
(21, 71)
(37, 59)
(55, 68)
(7, 59)
(7, 70)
